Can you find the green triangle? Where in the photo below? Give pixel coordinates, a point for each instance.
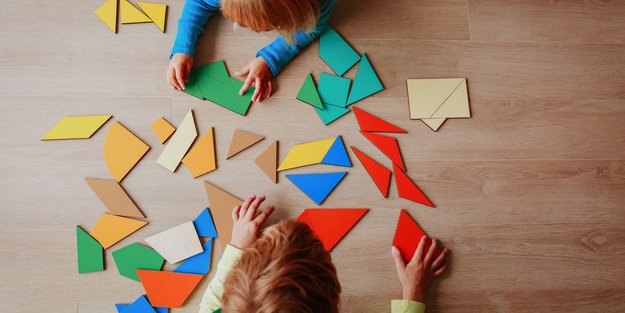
(193, 86)
(217, 86)
(90, 253)
(365, 83)
(137, 256)
(331, 113)
(308, 93)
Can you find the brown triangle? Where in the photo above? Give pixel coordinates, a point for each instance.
(242, 140)
(113, 196)
(221, 205)
(268, 162)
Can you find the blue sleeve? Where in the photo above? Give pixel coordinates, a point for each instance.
(278, 53)
(191, 24)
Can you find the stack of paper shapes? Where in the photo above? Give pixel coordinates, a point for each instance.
(435, 100)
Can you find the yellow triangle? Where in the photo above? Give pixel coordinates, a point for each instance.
(427, 95)
(156, 11)
(110, 229)
(457, 105)
(434, 123)
(107, 12)
(130, 14)
(306, 154)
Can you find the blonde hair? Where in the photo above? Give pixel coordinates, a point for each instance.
(284, 16)
(285, 270)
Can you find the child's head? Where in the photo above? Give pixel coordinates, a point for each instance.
(283, 16)
(285, 270)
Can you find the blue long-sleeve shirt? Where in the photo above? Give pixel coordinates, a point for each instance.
(277, 54)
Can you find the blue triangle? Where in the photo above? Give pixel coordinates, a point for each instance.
(317, 186)
(199, 263)
(337, 155)
(120, 307)
(141, 305)
(204, 225)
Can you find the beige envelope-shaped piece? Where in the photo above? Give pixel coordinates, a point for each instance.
(434, 100)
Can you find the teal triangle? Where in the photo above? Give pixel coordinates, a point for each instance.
(337, 155)
(317, 186)
(308, 93)
(331, 113)
(199, 263)
(365, 83)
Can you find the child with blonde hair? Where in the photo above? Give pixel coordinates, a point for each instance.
(285, 269)
(298, 22)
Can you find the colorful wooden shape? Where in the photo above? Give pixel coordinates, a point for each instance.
(308, 93)
(204, 225)
(331, 113)
(89, 251)
(107, 13)
(113, 196)
(366, 82)
(179, 143)
(222, 204)
(380, 175)
(76, 127)
(331, 225)
(201, 157)
(168, 289)
(268, 162)
(371, 123)
(122, 151)
(434, 123)
(333, 89)
(136, 256)
(434, 100)
(157, 12)
(388, 146)
(336, 52)
(317, 186)
(199, 263)
(408, 234)
(140, 305)
(242, 140)
(162, 129)
(129, 14)
(176, 243)
(407, 189)
(306, 154)
(337, 154)
(110, 229)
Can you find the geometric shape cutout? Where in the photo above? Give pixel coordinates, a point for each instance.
(136, 256)
(331, 225)
(157, 12)
(141, 305)
(317, 186)
(201, 157)
(333, 89)
(331, 113)
(336, 52)
(199, 263)
(337, 155)
(407, 189)
(408, 234)
(89, 251)
(308, 93)
(122, 151)
(107, 13)
(110, 229)
(433, 123)
(130, 14)
(179, 144)
(242, 140)
(168, 289)
(76, 127)
(371, 123)
(434, 100)
(204, 225)
(306, 154)
(267, 161)
(380, 175)
(366, 82)
(176, 243)
(387, 145)
(222, 204)
(162, 129)
(121, 307)
(113, 196)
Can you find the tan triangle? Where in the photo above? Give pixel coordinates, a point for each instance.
(457, 105)
(268, 162)
(157, 12)
(130, 14)
(425, 96)
(113, 196)
(434, 123)
(242, 140)
(221, 206)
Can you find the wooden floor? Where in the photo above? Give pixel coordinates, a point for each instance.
(530, 191)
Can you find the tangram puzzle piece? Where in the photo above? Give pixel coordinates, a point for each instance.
(388, 146)
(162, 129)
(157, 12)
(242, 140)
(306, 154)
(221, 204)
(130, 14)
(113, 196)
(204, 225)
(76, 127)
(366, 82)
(199, 263)
(122, 150)
(89, 251)
(380, 175)
(371, 123)
(434, 100)
(201, 158)
(178, 144)
(308, 93)
(177, 243)
(331, 113)
(268, 162)
(333, 89)
(337, 155)
(168, 289)
(193, 83)
(141, 305)
(110, 229)
(136, 256)
(336, 52)
(107, 12)
(317, 186)
(407, 237)
(407, 189)
(331, 225)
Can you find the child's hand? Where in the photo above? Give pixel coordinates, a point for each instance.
(178, 70)
(417, 275)
(259, 74)
(248, 221)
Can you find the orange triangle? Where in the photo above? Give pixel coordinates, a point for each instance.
(371, 123)
(388, 145)
(407, 189)
(168, 289)
(331, 225)
(268, 162)
(380, 175)
(221, 205)
(242, 140)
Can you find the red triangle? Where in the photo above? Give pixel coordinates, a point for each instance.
(407, 189)
(388, 145)
(407, 237)
(330, 225)
(371, 123)
(168, 289)
(380, 175)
